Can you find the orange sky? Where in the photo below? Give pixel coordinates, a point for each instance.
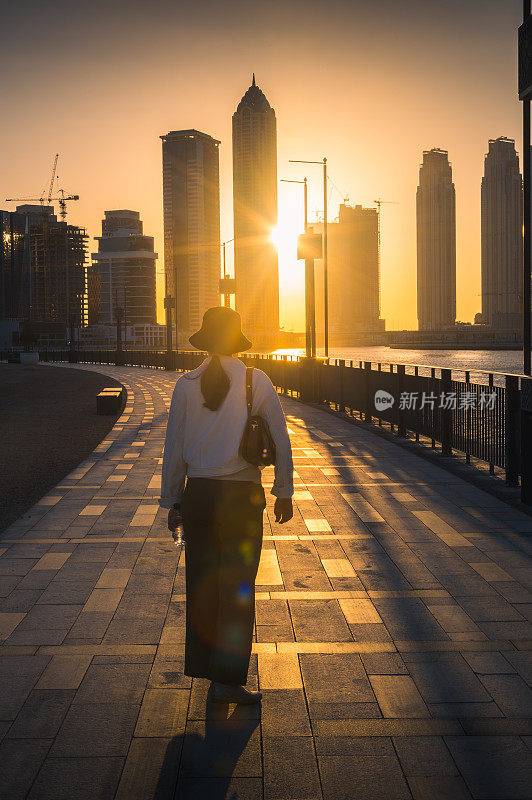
(369, 85)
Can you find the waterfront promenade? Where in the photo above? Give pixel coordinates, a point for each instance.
(392, 637)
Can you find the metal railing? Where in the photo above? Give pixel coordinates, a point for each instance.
(482, 422)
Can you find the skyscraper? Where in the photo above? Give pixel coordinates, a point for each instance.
(15, 260)
(502, 235)
(436, 242)
(123, 272)
(42, 268)
(191, 206)
(353, 277)
(255, 215)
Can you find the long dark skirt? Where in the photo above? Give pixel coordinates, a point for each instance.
(223, 533)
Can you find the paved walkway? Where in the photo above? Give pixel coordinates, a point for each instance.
(391, 639)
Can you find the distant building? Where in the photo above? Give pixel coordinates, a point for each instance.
(123, 272)
(42, 269)
(502, 235)
(255, 215)
(436, 242)
(139, 336)
(15, 264)
(191, 205)
(353, 278)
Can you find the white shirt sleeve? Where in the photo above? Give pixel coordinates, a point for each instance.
(174, 467)
(266, 404)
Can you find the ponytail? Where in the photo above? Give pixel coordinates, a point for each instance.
(214, 384)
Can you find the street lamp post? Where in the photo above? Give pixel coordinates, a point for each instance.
(226, 283)
(325, 252)
(168, 305)
(524, 95)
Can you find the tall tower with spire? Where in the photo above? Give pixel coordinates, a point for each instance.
(255, 215)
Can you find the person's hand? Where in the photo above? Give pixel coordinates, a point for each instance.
(283, 509)
(174, 519)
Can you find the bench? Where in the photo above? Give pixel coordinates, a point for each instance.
(110, 400)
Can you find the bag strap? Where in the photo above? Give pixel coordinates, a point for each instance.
(249, 389)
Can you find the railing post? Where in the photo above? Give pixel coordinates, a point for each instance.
(309, 380)
(526, 440)
(341, 367)
(401, 424)
(446, 416)
(512, 426)
(368, 410)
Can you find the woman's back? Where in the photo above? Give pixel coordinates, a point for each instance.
(211, 439)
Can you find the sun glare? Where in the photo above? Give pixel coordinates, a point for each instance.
(276, 236)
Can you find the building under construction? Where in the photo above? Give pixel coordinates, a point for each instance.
(42, 270)
(353, 278)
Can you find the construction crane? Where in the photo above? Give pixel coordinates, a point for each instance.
(379, 203)
(54, 168)
(61, 199)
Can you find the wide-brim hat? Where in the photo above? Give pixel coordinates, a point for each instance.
(220, 332)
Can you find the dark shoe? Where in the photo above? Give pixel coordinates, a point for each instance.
(222, 693)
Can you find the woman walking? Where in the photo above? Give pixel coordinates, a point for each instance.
(217, 495)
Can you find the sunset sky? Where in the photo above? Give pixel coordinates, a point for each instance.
(368, 84)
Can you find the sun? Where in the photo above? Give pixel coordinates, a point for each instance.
(284, 236)
(277, 235)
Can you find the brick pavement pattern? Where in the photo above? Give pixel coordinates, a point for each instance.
(391, 646)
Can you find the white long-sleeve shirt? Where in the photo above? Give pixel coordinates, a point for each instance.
(201, 443)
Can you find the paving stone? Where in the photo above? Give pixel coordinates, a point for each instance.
(489, 663)
(353, 745)
(221, 748)
(497, 727)
(511, 694)
(113, 683)
(167, 673)
(329, 678)
(8, 584)
(465, 710)
(151, 769)
(284, 712)
(383, 664)
(41, 715)
(9, 620)
(409, 618)
(20, 762)
(80, 778)
(424, 756)
(20, 600)
(95, 729)
(290, 769)
(318, 621)
(498, 767)
(522, 662)
(64, 672)
(343, 710)
(279, 671)
(13, 693)
(397, 696)
(362, 777)
(163, 713)
(490, 609)
(447, 680)
(216, 788)
(438, 788)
